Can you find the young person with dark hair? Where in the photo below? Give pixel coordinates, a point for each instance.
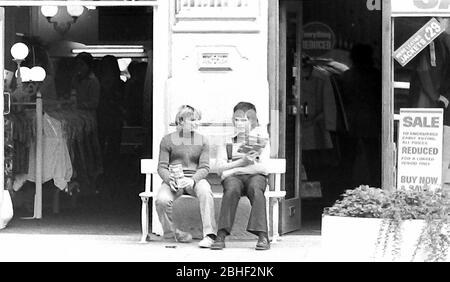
(244, 174)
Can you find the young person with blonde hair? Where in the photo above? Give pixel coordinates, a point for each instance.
(188, 150)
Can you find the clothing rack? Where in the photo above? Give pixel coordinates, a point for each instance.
(37, 213)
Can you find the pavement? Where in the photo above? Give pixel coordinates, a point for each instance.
(109, 237)
(109, 229)
(122, 248)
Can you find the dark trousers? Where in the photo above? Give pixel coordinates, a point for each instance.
(252, 186)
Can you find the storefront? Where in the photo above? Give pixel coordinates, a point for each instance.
(319, 36)
(213, 54)
(57, 31)
(414, 77)
(203, 53)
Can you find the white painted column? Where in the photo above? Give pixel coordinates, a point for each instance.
(39, 148)
(161, 52)
(2, 87)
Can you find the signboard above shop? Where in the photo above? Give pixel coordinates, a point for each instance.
(419, 8)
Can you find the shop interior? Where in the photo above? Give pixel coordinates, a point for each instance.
(339, 102)
(97, 171)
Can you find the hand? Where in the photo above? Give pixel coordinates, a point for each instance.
(186, 183)
(440, 104)
(173, 186)
(227, 173)
(443, 102)
(250, 157)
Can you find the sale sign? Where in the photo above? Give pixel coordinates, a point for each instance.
(420, 148)
(421, 39)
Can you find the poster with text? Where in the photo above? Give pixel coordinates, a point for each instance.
(420, 135)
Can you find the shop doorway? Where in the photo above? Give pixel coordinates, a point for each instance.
(102, 30)
(323, 156)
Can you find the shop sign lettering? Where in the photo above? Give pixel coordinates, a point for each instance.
(318, 39)
(419, 6)
(421, 39)
(419, 160)
(430, 4)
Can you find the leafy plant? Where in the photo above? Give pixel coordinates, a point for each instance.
(432, 206)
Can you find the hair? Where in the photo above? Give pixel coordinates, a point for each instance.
(361, 55)
(244, 106)
(87, 59)
(110, 63)
(132, 68)
(185, 112)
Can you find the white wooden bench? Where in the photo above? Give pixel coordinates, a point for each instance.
(149, 167)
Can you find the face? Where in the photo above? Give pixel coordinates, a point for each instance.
(190, 124)
(30, 87)
(81, 68)
(244, 121)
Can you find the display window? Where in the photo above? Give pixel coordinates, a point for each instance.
(416, 92)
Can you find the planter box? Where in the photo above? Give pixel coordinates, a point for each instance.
(355, 239)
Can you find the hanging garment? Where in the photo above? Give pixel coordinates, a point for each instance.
(431, 73)
(6, 208)
(362, 97)
(319, 111)
(56, 163)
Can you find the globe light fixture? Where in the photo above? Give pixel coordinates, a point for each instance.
(62, 27)
(37, 74)
(49, 11)
(75, 11)
(19, 51)
(24, 74)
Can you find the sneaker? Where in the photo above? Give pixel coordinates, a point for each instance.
(206, 242)
(168, 235)
(182, 237)
(218, 244)
(263, 243)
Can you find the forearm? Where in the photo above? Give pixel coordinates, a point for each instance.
(164, 174)
(256, 168)
(200, 174)
(223, 165)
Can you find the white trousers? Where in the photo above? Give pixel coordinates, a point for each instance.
(164, 204)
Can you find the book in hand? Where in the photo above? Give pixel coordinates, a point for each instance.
(253, 143)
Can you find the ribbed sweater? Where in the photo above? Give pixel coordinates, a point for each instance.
(190, 150)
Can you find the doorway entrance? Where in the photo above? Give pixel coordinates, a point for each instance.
(59, 38)
(324, 156)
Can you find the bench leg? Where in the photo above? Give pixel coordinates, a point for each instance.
(268, 216)
(275, 216)
(144, 220)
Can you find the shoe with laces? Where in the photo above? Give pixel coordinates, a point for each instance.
(263, 243)
(218, 244)
(167, 236)
(182, 237)
(206, 242)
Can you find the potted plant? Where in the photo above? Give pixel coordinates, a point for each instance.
(374, 224)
